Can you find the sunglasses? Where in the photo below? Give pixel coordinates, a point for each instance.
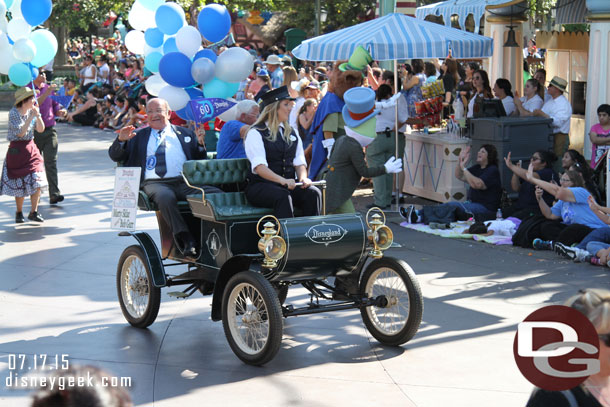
(534, 158)
(605, 339)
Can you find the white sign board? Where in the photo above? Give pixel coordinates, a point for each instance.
(125, 198)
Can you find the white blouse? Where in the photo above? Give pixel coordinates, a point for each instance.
(532, 103)
(255, 149)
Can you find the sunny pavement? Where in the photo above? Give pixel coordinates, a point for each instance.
(58, 296)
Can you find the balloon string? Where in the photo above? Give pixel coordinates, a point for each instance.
(32, 82)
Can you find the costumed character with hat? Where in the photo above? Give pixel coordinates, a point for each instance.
(559, 109)
(328, 124)
(346, 165)
(23, 170)
(276, 156)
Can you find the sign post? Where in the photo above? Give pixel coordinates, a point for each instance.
(125, 198)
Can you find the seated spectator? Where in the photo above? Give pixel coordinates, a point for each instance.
(573, 160)
(87, 73)
(481, 89)
(503, 91)
(119, 112)
(527, 203)
(484, 194)
(533, 99)
(570, 219)
(86, 114)
(231, 138)
(600, 135)
(103, 69)
(63, 88)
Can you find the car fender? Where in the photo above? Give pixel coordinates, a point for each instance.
(153, 257)
(231, 267)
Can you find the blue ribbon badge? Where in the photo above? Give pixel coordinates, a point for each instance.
(151, 162)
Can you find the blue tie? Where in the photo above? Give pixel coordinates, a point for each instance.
(161, 167)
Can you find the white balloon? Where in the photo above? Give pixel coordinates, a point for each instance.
(4, 44)
(24, 50)
(7, 60)
(188, 40)
(154, 84)
(176, 97)
(134, 41)
(18, 28)
(3, 23)
(148, 49)
(230, 114)
(140, 17)
(2, 8)
(16, 10)
(202, 70)
(234, 65)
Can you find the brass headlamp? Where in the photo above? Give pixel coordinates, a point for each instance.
(379, 235)
(270, 244)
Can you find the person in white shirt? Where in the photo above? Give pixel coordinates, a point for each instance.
(480, 87)
(278, 162)
(560, 110)
(503, 91)
(533, 99)
(104, 69)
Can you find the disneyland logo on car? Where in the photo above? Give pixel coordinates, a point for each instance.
(326, 233)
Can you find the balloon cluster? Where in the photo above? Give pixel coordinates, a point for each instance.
(173, 53)
(23, 50)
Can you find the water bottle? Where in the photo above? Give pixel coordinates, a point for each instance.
(499, 214)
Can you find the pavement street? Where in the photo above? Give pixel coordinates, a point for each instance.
(58, 296)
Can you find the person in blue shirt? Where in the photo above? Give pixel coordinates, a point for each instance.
(231, 138)
(570, 219)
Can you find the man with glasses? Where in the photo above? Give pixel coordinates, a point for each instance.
(231, 138)
(160, 150)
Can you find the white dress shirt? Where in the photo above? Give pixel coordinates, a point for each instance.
(532, 103)
(509, 105)
(387, 116)
(255, 149)
(560, 110)
(174, 155)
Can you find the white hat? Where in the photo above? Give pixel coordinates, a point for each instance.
(273, 60)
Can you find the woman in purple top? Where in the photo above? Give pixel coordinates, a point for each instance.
(23, 171)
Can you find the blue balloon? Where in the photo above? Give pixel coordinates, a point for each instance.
(220, 89)
(153, 37)
(169, 18)
(151, 4)
(175, 69)
(206, 53)
(194, 93)
(20, 74)
(214, 22)
(36, 12)
(33, 71)
(46, 47)
(151, 62)
(170, 46)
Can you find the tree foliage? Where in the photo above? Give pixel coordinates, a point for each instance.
(81, 14)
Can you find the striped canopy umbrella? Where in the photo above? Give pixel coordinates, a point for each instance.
(395, 36)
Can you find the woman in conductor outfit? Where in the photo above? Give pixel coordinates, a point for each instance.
(277, 160)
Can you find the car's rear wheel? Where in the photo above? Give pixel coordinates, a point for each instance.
(252, 318)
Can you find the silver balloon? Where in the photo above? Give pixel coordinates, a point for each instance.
(234, 65)
(202, 70)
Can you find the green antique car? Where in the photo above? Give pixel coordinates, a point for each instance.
(248, 259)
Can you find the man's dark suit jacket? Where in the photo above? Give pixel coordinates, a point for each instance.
(133, 153)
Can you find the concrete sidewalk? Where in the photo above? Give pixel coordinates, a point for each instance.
(58, 296)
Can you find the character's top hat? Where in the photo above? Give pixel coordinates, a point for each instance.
(358, 61)
(359, 106)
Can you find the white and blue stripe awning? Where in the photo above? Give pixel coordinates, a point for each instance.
(570, 11)
(395, 36)
(461, 8)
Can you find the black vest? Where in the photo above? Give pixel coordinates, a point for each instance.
(279, 155)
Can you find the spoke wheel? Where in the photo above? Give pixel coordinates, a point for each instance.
(138, 297)
(397, 321)
(252, 318)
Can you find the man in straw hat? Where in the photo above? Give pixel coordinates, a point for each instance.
(559, 109)
(273, 63)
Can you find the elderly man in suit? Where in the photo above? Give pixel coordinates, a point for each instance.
(160, 150)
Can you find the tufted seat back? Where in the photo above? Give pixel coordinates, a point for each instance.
(216, 172)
